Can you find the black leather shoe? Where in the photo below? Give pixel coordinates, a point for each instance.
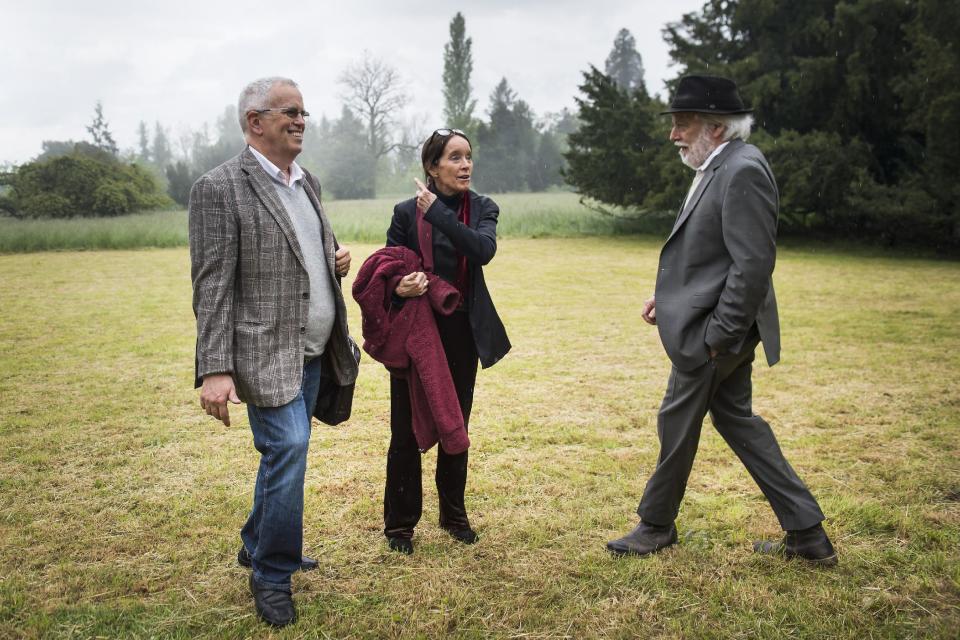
(274, 606)
(401, 545)
(465, 535)
(811, 545)
(643, 540)
(306, 564)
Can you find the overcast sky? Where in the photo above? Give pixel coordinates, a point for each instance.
(182, 62)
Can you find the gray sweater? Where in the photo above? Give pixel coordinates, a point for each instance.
(307, 225)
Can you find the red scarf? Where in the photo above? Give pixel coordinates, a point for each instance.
(425, 237)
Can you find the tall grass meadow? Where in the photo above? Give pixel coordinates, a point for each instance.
(523, 215)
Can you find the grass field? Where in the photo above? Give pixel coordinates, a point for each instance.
(530, 215)
(121, 502)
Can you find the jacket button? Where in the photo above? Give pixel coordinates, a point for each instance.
(303, 329)
(306, 294)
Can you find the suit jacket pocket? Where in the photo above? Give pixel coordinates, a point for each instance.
(253, 341)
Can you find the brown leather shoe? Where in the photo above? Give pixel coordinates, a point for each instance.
(644, 540)
(811, 545)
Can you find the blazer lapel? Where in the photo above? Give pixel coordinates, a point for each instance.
(691, 204)
(265, 190)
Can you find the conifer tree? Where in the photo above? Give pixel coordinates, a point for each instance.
(457, 67)
(624, 64)
(143, 143)
(162, 155)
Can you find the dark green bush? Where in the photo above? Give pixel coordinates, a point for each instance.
(901, 215)
(828, 187)
(142, 189)
(814, 173)
(46, 205)
(6, 205)
(82, 186)
(110, 199)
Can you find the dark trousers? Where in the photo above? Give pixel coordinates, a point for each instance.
(403, 497)
(722, 387)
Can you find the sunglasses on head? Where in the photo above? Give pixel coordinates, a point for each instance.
(449, 132)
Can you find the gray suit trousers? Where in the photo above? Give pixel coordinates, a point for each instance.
(723, 387)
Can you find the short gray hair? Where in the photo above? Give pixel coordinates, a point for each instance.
(254, 96)
(737, 125)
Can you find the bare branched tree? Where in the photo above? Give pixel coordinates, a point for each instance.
(374, 92)
(100, 132)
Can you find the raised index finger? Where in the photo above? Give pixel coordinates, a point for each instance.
(420, 185)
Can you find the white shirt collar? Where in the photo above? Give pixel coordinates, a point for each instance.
(296, 173)
(716, 152)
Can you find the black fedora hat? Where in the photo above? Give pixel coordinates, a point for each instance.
(707, 94)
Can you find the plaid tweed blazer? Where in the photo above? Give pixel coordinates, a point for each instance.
(251, 288)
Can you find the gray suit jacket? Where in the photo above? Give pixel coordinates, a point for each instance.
(714, 281)
(250, 285)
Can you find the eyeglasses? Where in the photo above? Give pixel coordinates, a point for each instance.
(449, 132)
(290, 112)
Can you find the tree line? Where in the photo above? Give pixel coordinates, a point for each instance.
(365, 150)
(857, 110)
(856, 106)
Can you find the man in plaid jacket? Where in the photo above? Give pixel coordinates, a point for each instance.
(270, 317)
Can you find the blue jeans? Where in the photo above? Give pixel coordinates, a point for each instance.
(273, 533)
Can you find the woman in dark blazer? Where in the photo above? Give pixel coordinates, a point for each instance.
(463, 226)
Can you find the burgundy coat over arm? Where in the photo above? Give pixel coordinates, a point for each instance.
(406, 341)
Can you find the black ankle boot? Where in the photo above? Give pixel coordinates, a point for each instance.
(644, 540)
(810, 544)
(401, 545)
(466, 535)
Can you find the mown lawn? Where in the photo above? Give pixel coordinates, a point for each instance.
(121, 501)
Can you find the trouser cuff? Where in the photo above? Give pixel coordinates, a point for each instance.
(278, 586)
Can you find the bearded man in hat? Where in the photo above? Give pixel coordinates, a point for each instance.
(713, 304)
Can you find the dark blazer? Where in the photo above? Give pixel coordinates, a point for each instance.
(714, 281)
(478, 242)
(250, 285)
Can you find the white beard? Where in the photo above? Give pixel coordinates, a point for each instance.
(699, 151)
